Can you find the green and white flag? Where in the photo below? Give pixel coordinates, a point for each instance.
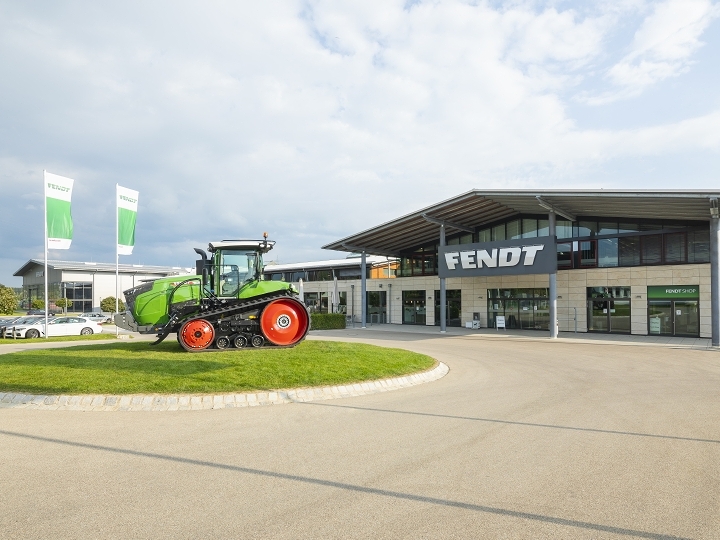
(58, 192)
(127, 203)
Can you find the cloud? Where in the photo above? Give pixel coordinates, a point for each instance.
(309, 119)
(662, 47)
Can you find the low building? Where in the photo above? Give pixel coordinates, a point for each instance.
(632, 262)
(327, 285)
(85, 284)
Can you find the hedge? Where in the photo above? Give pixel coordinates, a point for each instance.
(327, 321)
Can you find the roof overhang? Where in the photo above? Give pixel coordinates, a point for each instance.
(477, 208)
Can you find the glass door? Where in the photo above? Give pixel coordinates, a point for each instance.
(377, 307)
(452, 307)
(687, 317)
(598, 320)
(525, 316)
(512, 315)
(660, 318)
(619, 311)
(542, 314)
(413, 307)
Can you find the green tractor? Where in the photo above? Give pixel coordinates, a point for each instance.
(226, 304)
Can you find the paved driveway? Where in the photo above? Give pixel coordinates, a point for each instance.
(522, 439)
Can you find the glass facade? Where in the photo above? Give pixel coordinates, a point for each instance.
(587, 243)
(523, 309)
(414, 310)
(453, 307)
(608, 309)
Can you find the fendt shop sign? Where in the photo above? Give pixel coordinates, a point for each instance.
(506, 258)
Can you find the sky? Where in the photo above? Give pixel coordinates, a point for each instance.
(314, 120)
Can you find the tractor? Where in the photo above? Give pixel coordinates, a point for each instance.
(225, 305)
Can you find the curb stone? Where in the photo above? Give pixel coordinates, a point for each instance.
(175, 402)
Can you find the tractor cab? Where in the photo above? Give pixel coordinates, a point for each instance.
(233, 265)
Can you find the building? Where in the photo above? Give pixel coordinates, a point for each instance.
(326, 285)
(85, 284)
(633, 262)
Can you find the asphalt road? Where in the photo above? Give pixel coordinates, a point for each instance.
(522, 439)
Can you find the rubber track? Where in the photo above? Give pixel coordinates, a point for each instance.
(239, 308)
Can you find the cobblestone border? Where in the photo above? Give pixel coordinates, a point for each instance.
(194, 402)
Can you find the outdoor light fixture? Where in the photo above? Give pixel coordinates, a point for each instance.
(553, 209)
(714, 212)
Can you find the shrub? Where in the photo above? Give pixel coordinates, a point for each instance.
(108, 305)
(8, 300)
(327, 321)
(37, 304)
(62, 303)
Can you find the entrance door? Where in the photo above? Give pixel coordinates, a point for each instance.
(525, 318)
(452, 307)
(674, 318)
(413, 307)
(598, 319)
(377, 307)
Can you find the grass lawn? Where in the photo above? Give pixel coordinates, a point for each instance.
(128, 368)
(92, 337)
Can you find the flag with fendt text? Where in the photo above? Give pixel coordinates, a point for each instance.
(127, 205)
(58, 192)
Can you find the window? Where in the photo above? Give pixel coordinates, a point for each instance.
(585, 228)
(675, 248)
(513, 229)
(607, 227)
(629, 250)
(651, 249)
(563, 229)
(564, 256)
(498, 233)
(588, 253)
(607, 252)
(485, 235)
(699, 246)
(530, 228)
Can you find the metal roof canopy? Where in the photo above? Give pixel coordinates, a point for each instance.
(478, 208)
(91, 267)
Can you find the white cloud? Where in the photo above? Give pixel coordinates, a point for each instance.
(309, 120)
(662, 47)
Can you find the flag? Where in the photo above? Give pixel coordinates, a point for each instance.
(127, 203)
(58, 192)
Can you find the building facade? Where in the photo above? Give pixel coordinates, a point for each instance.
(85, 284)
(627, 262)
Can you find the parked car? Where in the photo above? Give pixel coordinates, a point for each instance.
(6, 326)
(41, 312)
(59, 326)
(97, 317)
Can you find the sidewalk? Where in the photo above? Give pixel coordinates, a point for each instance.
(535, 335)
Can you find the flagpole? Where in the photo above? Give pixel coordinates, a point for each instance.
(117, 258)
(46, 255)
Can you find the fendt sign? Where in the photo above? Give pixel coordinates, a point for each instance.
(506, 258)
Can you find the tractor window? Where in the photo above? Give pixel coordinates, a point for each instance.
(235, 269)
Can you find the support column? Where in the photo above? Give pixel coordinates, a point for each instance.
(553, 286)
(363, 290)
(389, 304)
(715, 279)
(443, 292)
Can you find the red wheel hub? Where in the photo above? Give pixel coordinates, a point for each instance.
(196, 335)
(284, 322)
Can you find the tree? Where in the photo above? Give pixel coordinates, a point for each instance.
(108, 305)
(38, 303)
(8, 300)
(62, 303)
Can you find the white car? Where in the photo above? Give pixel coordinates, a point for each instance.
(58, 326)
(97, 317)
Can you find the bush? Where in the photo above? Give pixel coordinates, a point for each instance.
(37, 304)
(62, 303)
(327, 321)
(108, 305)
(8, 300)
